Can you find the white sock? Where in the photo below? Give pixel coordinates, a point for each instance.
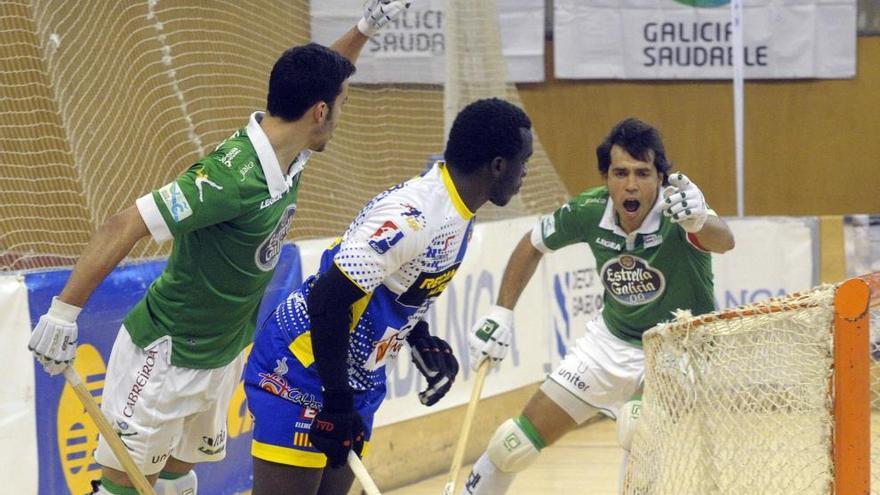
(486, 479)
(621, 478)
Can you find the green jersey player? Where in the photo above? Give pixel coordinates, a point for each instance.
(652, 235)
(180, 351)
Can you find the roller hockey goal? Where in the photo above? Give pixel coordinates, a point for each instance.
(779, 397)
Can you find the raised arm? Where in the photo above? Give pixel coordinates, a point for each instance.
(377, 13)
(686, 206)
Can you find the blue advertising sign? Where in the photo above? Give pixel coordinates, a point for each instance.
(66, 435)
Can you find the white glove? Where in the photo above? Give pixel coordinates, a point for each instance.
(490, 337)
(685, 204)
(53, 341)
(377, 13)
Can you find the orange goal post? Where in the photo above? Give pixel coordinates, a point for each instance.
(778, 397)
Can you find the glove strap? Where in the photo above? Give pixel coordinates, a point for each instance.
(502, 315)
(365, 28)
(62, 311)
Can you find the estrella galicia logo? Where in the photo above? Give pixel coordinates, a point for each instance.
(267, 254)
(385, 237)
(631, 280)
(704, 3)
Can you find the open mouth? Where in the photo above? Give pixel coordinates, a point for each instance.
(631, 205)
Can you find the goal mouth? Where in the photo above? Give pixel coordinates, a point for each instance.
(759, 394)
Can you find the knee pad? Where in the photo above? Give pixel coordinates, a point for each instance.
(515, 445)
(626, 423)
(188, 484)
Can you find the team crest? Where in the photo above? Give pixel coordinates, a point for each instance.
(632, 281)
(385, 237)
(269, 251)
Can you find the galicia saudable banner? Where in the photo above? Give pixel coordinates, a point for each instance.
(411, 49)
(67, 437)
(692, 39)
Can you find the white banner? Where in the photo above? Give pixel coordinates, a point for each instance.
(673, 39)
(773, 256)
(18, 422)
(862, 244)
(411, 49)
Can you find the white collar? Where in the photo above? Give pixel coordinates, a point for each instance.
(649, 225)
(278, 183)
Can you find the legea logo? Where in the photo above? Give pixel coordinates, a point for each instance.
(704, 3)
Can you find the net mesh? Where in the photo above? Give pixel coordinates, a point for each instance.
(102, 104)
(739, 401)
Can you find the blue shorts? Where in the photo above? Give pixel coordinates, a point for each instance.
(284, 394)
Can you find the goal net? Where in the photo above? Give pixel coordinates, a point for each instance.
(102, 103)
(749, 400)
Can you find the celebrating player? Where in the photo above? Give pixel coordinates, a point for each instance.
(652, 246)
(228, 215)
(316, 374)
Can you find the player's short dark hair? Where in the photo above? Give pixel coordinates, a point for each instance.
(304, 75)
(484, 130)
(639, 139)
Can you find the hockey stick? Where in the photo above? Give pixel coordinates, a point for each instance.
(466, 428)
(137, 478)
(360, 472)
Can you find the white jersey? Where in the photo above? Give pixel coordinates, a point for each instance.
(402, 249)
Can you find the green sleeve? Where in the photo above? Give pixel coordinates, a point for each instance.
(204, 195)
(570, 223)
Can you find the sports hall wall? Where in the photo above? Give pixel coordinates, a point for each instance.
(811, 146)
(811, 149)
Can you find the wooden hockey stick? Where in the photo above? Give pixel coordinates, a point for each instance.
(360, 472)
(137, 478)
(466, 428)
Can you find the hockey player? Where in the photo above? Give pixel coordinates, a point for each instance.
(653, 248)
(228, 215)
(316, 374)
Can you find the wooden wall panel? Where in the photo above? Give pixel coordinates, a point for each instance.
(812, 146)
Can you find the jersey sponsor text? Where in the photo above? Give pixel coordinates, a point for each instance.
(267, 254)
(140, 381)
(632, 281)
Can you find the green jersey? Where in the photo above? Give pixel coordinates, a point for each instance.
(647, 274)
(228, 215)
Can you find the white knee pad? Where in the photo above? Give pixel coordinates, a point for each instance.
(188, 484)
(515, 445)
(626, 423)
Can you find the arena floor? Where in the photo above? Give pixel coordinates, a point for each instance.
(585, 461)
